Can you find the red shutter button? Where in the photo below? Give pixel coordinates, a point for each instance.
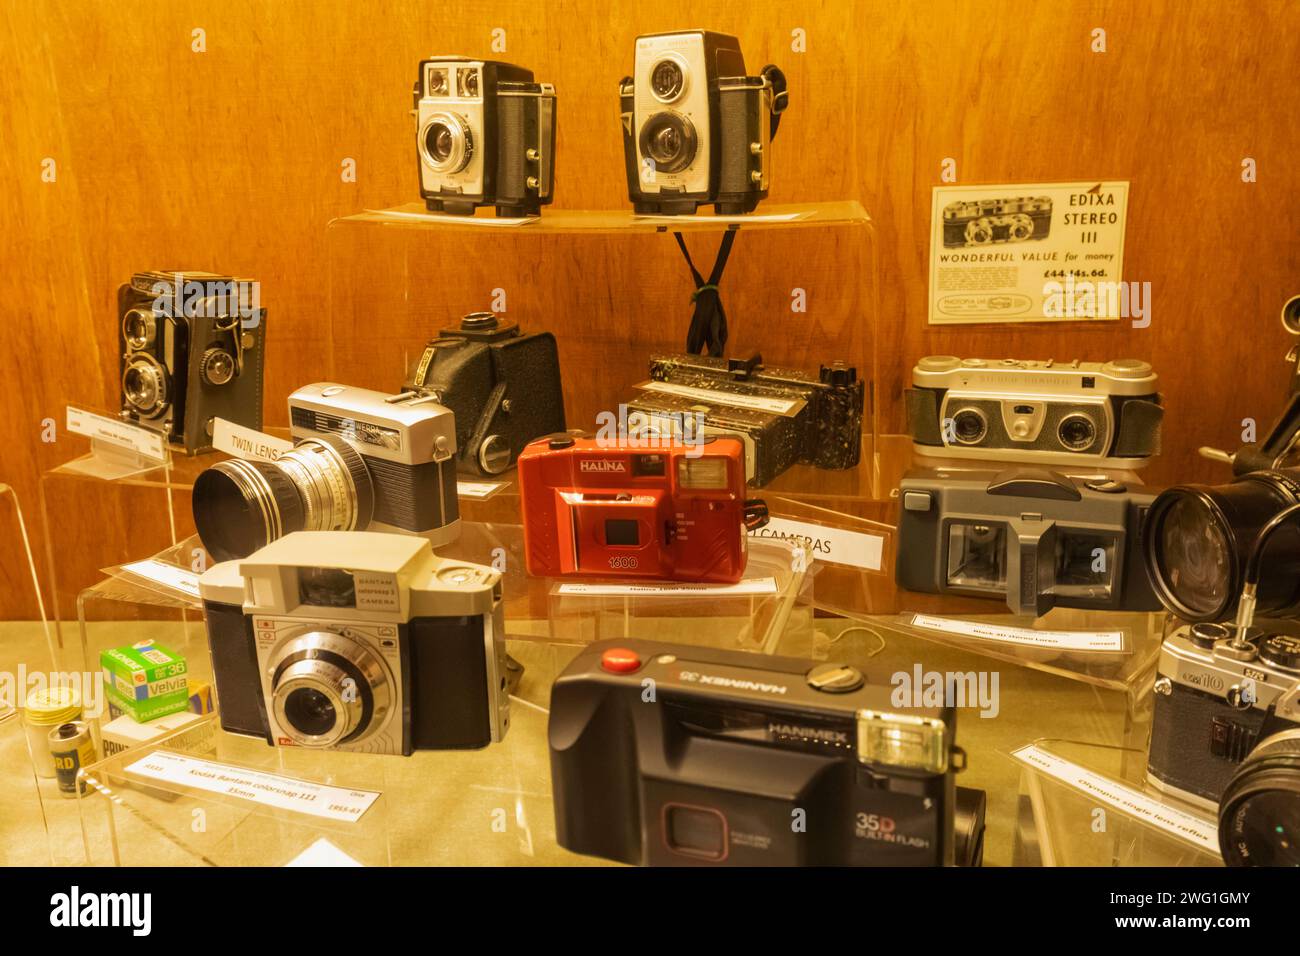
(619, 660)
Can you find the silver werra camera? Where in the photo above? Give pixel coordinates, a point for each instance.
(697, 129)
(192, 350)
(358, 641)
(363, 460)
(1091, 414)
(1214, 693)
(485, 134)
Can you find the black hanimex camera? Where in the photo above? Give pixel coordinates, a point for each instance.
(696, 128)
(193, 346)
(1034, 538)
(668, 754)
(485, 136)
(502, 384)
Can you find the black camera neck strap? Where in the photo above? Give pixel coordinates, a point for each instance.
(709, 321)
(780, 95)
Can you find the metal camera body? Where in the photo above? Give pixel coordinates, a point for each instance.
(696, 128)
(982, 222)
(1212, 698)
(408, 445)
(485, 136)
(1104, 415)
(731, 751)
(360, 642)
(783, 416)
(502, 385)
(1034, 537)
(669, 511)
(179, 371)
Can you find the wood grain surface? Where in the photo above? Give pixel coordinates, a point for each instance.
(230, 159)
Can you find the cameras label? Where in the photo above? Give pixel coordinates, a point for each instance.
(247, 443)
(284, 793)
(1097, 641)
(832, 545)
(1031, 253)
(1201, 832)
(137, 438)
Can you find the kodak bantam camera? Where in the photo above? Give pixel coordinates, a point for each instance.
(783, 416)
(193, 346)
(485, 136)
(697, 129)
(1031, 537)
(1219, 692)
(1081, 414)
(670, 510)
(675, 755)
(358, 641)
(983, 222)
(362, 460)
(502, 385)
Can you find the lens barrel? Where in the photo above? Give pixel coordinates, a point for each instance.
(1197, 539)
(322, 484)
(1259, 812)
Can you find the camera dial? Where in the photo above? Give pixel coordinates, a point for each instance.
(217, 366)
(446, 143)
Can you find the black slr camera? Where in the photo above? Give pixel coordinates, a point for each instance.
(783, 416)
(667, 754)
(358, 641)
(193, 345)
(502, 385)
(485, 136)
(696, 128)
(1033, 537)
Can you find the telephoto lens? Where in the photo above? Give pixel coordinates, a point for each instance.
(322, 484)
(1259, 813)
(1197, 540)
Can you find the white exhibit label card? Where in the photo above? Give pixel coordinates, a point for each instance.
(285, 793)
(168, 575)
(478, 489)
(247, 443)
(323, 853)
(137, 438)
(1032, 252)
(777, 406)
(1104, 641)
(832, 545)
(754, 586)
(1123, 797)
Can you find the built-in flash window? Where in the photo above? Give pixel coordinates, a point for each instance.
(709, 471)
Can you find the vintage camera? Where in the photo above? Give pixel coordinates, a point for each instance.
(696, 128)
(783, 416)
(193, 345)
(711, 768)
(1259, 812)
(1215, 686)
(986, 221)
(1052, 413)
(1033, 537)
(668, 510)
(502, 385)
(1198, 539)
(362, 460)
(358, 641)
(485, 136)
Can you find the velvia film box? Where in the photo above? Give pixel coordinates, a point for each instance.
(145, 681)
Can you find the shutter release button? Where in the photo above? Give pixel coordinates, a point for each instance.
(619, 660)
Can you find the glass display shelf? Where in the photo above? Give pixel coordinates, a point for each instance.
(1087, 804)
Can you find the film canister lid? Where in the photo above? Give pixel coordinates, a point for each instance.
(835, 678)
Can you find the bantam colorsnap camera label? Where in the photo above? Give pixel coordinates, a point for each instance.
(1032, 252)
(832, 545)
(1101, 641)
(137, 438)
(285, 793)
(1134, 803)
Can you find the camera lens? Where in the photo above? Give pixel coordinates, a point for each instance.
(1077, 432)
(144, 385)
(310, 711)
(467, 81)
(446, 143)
(322, 484)
(667, 80)
(1197, 539)
(969, 426)
(668, 138)
(139, 329)
(1259, 812)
